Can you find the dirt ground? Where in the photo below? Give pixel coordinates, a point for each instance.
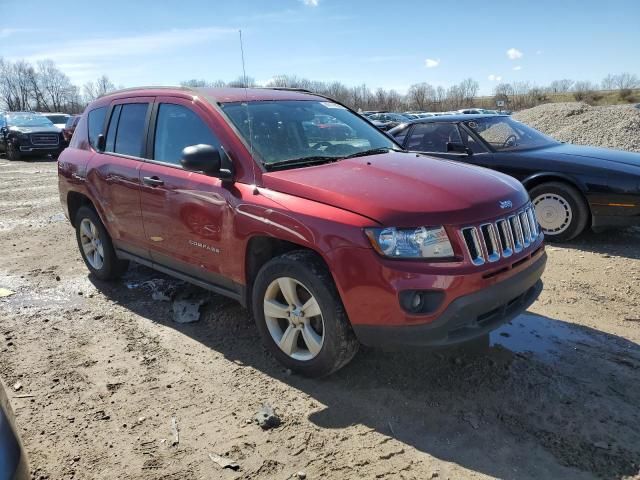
(556, 396)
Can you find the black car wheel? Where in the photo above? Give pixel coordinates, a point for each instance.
(560, 210)
(96, 247)
(13, 152)
(300, 316)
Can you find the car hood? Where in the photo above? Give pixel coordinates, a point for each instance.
(593, 156)
(51, 129)
(404, 189)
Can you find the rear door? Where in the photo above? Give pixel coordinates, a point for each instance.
(116, 170)
(187, 215)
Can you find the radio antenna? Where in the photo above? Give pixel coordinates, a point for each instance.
(246, 103)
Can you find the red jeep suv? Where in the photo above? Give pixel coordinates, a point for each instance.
(330, 242)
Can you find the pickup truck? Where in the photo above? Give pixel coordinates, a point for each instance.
(329, 242)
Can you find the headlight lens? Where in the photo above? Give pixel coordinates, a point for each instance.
(420, 242)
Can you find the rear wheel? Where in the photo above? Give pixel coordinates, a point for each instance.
(96, 247)
(300, 316)
(560, 210)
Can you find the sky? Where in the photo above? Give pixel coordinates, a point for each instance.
(382, 44)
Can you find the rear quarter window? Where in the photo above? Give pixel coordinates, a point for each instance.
(95, 120)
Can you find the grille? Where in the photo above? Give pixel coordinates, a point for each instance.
(501, 238)
(47, 139)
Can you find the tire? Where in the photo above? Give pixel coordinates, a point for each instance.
(324, 342)
(88, 227)
(13, 153)
(561, 210)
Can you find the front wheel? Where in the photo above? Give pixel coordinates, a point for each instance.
(13, 152)
(96, 247)
(560, 210)
(300, 316)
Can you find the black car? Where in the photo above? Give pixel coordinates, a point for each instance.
(571, 186)
(28, 133)
(386, 121)
(13, 462)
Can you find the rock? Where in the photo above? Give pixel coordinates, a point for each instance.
(602, 445)
(5, 292)
(224, 462)
(17, 386)
(187, 311)
(267, 418)
(301, 475)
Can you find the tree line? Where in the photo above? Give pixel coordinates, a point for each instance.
(44, 87)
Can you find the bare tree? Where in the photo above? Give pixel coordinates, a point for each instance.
(626, 81)
(420, 96)
(609, 82)
(560, 86)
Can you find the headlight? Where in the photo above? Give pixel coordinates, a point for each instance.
(420, 242)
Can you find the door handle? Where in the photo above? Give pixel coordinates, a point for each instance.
(152, 181)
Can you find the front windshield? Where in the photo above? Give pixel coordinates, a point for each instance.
(57, 118)
(28, 120)
(506, 134)
(291, 130)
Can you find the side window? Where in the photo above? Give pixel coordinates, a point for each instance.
(95, 122)
(131, 131)
(471, 142)
(433, 137)
(111, 130)
(401, 135)
(178, 127)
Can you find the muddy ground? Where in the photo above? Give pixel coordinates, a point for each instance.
(556, 396)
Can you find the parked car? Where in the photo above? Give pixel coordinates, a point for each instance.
(330, 244)
(13, 460)
(325, 127)
(387, 121)
(28, 133)
(58, 119)
(69, 128)
(572, 187)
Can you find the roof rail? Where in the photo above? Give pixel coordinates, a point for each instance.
(148, 87)
(289, 89)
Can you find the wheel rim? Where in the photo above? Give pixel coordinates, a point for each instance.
(91, 244)
(294, 319)
(553, 213)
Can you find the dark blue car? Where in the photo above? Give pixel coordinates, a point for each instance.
(572, 187)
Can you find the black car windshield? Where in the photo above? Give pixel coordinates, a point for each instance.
(57, 118)
(503, 133)
(288, 131)
(28, 120)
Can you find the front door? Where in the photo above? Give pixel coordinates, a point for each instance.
(187, 215)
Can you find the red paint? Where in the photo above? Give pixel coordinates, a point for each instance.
(324, 208)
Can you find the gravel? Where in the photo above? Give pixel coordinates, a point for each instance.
(613, 126)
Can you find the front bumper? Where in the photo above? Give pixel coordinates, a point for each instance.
(467, 317)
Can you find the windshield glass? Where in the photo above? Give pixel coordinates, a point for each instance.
(57, 118)
(304, 129)
(28, 120)
(505, 134)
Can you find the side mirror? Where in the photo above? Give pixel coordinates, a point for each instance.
(205, 159)
(101, 143)
(458, 148)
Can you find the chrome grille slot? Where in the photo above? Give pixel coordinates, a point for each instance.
(501, 238)
(490, 242)
(526, 231)
(472, 239)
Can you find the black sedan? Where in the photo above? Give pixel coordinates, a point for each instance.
(571, 186)
(13, 463)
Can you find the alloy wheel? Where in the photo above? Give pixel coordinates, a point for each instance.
(553, 213)
(294, 318)
(91, 244)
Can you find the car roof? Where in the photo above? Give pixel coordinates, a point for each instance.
(226, 94)
(456, 117)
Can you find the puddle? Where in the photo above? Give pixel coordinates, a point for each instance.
(539, 335)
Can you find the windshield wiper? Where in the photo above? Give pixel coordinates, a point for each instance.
(373, 151)
(292, 162)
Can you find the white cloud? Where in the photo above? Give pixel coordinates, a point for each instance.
(517, 68)
(111, 47)
(432, 63)
(311, 3)
(514, 54)
(494, 78)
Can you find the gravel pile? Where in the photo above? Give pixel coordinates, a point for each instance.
(613, 126)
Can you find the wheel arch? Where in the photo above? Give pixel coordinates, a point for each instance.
(76, 200)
